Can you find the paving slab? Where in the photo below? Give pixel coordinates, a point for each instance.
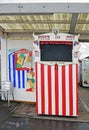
(29, 110)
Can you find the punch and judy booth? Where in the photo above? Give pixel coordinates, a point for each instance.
(56, 68)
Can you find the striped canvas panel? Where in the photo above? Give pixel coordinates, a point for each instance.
(57, 89)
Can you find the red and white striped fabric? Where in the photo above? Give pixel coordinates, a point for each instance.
(57, 89)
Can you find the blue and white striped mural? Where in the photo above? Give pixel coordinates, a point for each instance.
(18, 77)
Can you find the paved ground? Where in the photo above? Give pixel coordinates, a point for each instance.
(83, 99)
(28, 110)
(8, 122)
(39, 124)
(4, 113)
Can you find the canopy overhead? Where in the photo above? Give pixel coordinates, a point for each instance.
(21, 20)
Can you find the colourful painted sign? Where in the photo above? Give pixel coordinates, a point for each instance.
(23, 59)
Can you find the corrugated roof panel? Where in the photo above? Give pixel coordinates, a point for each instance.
(10, 26)
(7, 17)
(55, 16)
(61, 16)
(83, 17)
(82, 27)
(51, 26)
(18, 21)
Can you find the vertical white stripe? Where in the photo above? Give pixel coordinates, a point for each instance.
(11, 67)
(74, 89)
(25, 76)
(46, 88)
(11, 61)
(60, 89)
(16, 78)
(67, 88)
(39, 87)
(53, 89)
(8, 67)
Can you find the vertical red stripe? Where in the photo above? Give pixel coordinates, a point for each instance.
(56, 91)
(42, 90)
(63, 92)
(36, 88)
(70, 90)
(76, 89)
(49, 91)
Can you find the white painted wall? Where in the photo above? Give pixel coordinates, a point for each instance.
(19, 44)
(3, 60)
(21, 94)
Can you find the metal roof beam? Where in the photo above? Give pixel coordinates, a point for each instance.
(31, 30)
(2, 32)
(28, 35)
(82, 32)
(73, 23)
(43, 22)
(84, 37)
(31, 8)
(83, 22)
(35, 22)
